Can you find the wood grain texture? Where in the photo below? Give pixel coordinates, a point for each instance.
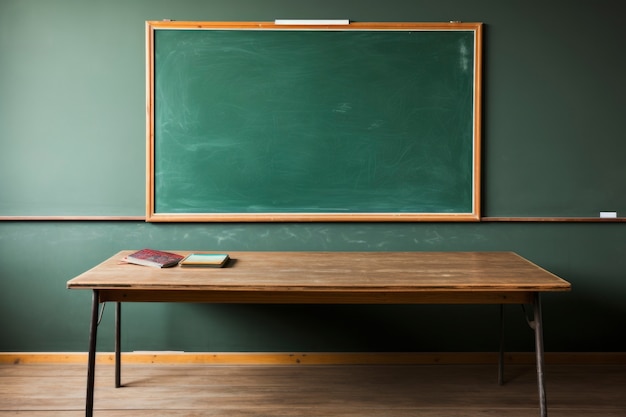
(326, 276)
(290, 391)
(314, 358)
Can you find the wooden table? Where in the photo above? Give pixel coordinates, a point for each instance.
(325, 278)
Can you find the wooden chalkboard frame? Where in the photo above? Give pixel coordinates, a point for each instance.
(152, 215)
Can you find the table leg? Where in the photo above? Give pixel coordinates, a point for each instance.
(118, 344)
(91, 366)
(501, 353)
(538, 327)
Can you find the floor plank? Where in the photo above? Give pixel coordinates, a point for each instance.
(46, 390)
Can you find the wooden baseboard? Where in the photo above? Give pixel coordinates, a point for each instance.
(314, 358)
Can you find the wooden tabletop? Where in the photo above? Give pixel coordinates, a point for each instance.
(332, 272)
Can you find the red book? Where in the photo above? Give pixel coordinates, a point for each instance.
(155, 258)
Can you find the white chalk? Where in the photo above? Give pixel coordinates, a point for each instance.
(608, 214)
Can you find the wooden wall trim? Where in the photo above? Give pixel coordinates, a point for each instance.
(72, 218)
(555, 219)
(482, 219)
(315, 358)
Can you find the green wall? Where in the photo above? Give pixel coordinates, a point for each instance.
(72, 136)
(37, 313)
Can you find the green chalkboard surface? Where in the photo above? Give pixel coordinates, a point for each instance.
(363, 122)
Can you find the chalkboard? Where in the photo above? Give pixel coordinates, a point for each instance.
(359, 122)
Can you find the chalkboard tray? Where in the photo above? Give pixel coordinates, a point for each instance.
(255, 121)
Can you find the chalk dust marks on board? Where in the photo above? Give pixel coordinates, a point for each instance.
(465, 56)
(342, 108)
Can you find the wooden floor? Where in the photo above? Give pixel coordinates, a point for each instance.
(46, 390)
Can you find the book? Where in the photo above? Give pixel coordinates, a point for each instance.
(211, 260)
(154, 258)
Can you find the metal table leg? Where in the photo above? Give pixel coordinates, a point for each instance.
(537, 326)
(501, 353)
(118, 344)
(91, 365)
